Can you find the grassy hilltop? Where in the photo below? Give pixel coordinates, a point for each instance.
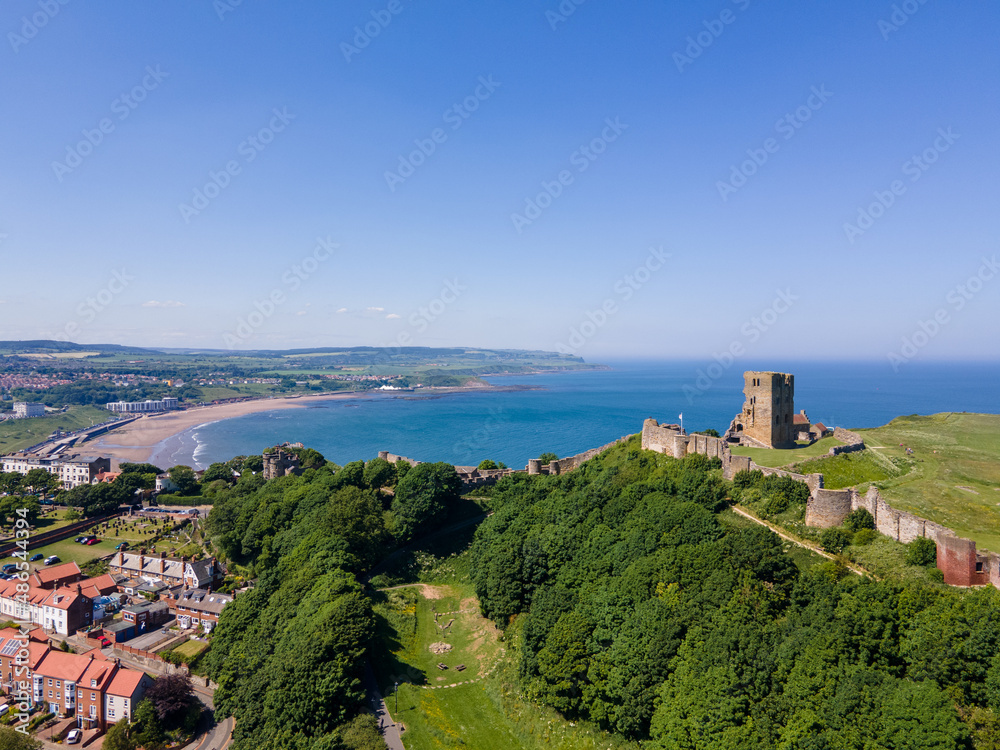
(951, 477)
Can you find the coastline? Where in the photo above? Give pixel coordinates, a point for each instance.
(139, 441)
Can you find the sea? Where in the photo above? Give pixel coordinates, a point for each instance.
(569, 412)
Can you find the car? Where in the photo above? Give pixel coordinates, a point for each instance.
(5, 577)
(93, 540)
(9, 567)
(52, 560)
(73, 737)
(80, 539)
(122, 546)
(4, 708)
(37, 556)
(105, 642)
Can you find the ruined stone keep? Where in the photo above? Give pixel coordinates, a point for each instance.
(767, 417)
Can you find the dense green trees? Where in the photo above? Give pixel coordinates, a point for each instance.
(630, 601)
(423, 496)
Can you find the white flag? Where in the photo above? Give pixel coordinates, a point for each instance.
(680, 416)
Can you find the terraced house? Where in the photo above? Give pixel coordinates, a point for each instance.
(172, 571)
(64, 609)
(91, 687)
(196, 608)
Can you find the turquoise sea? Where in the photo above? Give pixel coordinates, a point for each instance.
(570, 412)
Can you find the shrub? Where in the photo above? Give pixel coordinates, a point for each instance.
(921, 551)
(834, 540)
(859, 519)
(864, 536)
(936, 575)
(777, 503)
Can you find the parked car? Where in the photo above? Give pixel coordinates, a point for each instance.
(80, 539)
(4, 708)
(52, 559)
(122, 546)
(105, 642)
(73, 737)
(9, 568)
(37, 556)
(93, 540)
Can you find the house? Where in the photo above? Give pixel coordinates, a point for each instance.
(146, 615)
(124, 694)
(57, 575)
(72, 469)
(106, 477)
(64, 609)
(195, 608)
(164, 483)
(172, 571)
(86, 686)
(19, 654)
(101, 586)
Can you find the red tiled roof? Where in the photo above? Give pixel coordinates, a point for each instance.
(39, 634)
(820, 426)
(100, 670)
(125, 682)
(95, 587)
(66, 570)
(62, 597)
(800, 419)
(63, 666)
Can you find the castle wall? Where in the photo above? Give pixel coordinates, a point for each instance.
(957, 557)
(562, 465)
(828, 508)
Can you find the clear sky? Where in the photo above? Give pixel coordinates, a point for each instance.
(614, 179)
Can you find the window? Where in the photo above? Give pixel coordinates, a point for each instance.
(50, 683)
(111, 713)
(50, 692)
(93, 712)
(93, 696)
(979, 567)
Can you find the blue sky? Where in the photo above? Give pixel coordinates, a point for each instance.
(708, 162)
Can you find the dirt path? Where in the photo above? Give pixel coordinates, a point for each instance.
(427, 591)
(801, 543)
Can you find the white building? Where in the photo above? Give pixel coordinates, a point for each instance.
(72, 470)
(24, 409)
(140, 407)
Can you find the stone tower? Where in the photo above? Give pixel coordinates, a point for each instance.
(279, 464)
(766, 419)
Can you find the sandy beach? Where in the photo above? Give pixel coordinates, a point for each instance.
(136, 442)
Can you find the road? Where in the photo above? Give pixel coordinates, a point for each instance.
(391, 731)
(806, 545)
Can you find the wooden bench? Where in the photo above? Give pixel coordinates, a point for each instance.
(460, 668)
(442, 666)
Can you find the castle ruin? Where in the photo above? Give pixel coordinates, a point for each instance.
(280, 464)
(767, 419)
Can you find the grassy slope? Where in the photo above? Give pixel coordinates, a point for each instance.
(949, 451)
(853, 469)
(490, 714)
(16, 434)
(772, 458)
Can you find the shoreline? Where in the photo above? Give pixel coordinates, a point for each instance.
(146, 437)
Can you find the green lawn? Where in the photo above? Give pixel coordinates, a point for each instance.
(489, 714)
(191, 649)
(17, 434)
(783, 457)
(136, 533)
(955, 480)
(853, 469)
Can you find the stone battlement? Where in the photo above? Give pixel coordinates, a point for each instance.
(958, 559)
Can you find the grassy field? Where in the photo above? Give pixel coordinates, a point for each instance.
(136, 533)
(802, 557)
(480, 708)
(783, 457)
(191, 649)
(854, 469)
(955, 479)
(16, 434)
